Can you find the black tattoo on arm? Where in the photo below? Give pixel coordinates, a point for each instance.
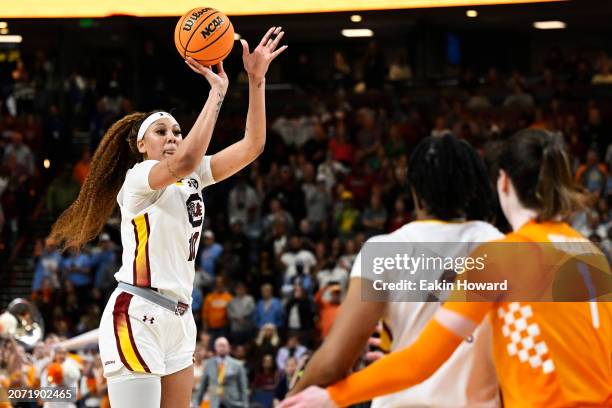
(221, 96)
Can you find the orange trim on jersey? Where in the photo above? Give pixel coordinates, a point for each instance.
(128, 352)
(142, 267)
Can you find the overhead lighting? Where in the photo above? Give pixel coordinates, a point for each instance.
(356, 18)
(10, 39)
(3, 30)
(549, 25)
(471, 13)
(3, 24)
(46, 163)
(237, 36)
(357, 32)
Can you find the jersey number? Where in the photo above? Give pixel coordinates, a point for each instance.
(193, 242)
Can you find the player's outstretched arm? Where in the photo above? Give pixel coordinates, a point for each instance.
(189, 154)
(332, 361)
(402, 369)
(235, 157)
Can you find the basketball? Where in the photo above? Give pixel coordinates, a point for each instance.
(204, 34)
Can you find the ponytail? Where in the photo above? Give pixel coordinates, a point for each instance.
(117, 153)
(538, 165)
(557, 192)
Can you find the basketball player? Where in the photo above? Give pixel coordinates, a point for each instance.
(447, 210)
(558, 356)
(147, 332)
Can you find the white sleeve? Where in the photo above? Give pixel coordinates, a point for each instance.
(136, 192)
(356, 269)
(137, 178)
(205, 172)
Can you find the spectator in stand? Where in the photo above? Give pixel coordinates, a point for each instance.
(341, 149)
(45, 297)
(326, 270)
(315, 149)
(104, 263)
(440, 127)
(374, 217)
(224, 380)
(396, 145)
(400, 215)
(214, 312)
(318, 201)
(328, 301)
(593, 174)
(300, 314)
(265, 382)
(76, 267)
(595, 131)
(81, 168)
(297, 262)
(291, 349)
(47, 266)
(341, 71)
(519, 98)
(330, 171)
(277, 215)
(267, 341)
(241, 313)
(284, 382)
(23, 154)
(346, 215)
(243, 201)
(604, 75)
(63, 371)
(209, 254)
(269, 308)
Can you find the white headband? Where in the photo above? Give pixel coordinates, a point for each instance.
(149, 121)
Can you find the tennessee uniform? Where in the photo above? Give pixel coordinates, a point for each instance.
(468, 377)
(160, 233)
(546, 354)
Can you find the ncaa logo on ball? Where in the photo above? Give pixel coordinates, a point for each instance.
(212, 26)
(194, 16)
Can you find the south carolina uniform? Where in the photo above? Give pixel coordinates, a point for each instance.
(546, 354)
(468, 378)
(160, 233)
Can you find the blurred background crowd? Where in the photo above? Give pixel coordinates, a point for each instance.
(280, 238)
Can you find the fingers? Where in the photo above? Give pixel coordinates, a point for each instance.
(219, 67)
(277, 52)
(245, 47)
(198, 67)
(266, 37)
(274, 43)
(374, 341)
(374, 355)
(275, 32)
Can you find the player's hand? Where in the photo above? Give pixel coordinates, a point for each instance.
(309, 398)
(256, 63)
(217, 81)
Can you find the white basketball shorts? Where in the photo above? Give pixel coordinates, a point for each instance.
(144, 337)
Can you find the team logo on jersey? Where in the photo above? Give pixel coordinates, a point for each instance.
(193, 183)
(195, 210)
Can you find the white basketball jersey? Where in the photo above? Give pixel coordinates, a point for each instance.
(467, 378)
(160, 230)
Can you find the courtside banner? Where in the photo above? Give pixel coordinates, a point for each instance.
(563, 271)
